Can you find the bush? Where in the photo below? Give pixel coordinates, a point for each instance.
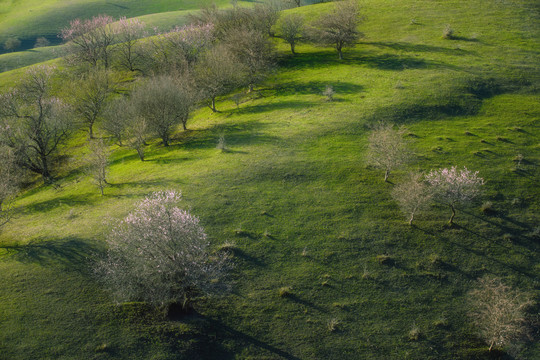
(448, 32)
(160, 254)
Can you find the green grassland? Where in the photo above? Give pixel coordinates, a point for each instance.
(294, 194)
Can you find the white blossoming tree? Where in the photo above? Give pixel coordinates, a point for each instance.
(160, 254)
(455, 187)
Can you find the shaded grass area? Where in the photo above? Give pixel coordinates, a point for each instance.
(304, 212)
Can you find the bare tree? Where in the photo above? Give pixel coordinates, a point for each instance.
(90, 40)
(90, 95)
(254, 50)
(97, 163)
(455, 187)
(160, 254)
(137, 133)
(34, 121)
(387, 149)
(123, 123)
(129, 49)
(412, 195)
(163, 104)
(291, 27)
(499, 312)
(216, 74)
(12, 44)
(116, 117)
(266, 15)
(339, 27)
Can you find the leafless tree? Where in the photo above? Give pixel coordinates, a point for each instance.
(163, 104)
(499, 312)
(339, 27)
(129, 48)
(90, 96)
(412, 195)
(160, 254)
(97, 163)
(116, 116)
(216, 74)
(136, 135)
(387, 149)
(90, 40)
(291, 27)
(34, 121)
(254, 50)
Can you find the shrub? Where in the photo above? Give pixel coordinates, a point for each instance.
(329, 93)
(160, 254)
(448, 32)
(285, 291)
(333, 324)
(487, 207)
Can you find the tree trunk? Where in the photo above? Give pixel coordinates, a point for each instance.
(91, 131)
(45, 170)
(213, 105)
(411, 219)
(451, 221)
(340, 53)
(386, 174)
(140, 152)
(491, 345)
(292, 49)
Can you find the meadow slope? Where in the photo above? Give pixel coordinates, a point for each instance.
(295, 197)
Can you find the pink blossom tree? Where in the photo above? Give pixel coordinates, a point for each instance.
(160, 254)
(455, 187)
(90, 40)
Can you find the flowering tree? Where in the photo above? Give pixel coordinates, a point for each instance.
(387, 149)
(499, 312)
(91, 40)
(178, 49)
(412, 195)
(454, 187)
(34, 122)
(160, 254)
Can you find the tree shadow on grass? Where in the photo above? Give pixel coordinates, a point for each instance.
(48, 205)
(316, 88)
(226, 333)
(72, 254)
(235, 134)
(275, 106)
(370, 59)
(403, 46)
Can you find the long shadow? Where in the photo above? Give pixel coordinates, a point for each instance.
(316, 88)
(73, 254)
(298, 300)
(403, 46)
(48, 205)
(370, 59)
(241, 254)
(235, 134)
(275, 106)
(226, 332)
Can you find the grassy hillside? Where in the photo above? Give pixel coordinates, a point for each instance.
(293, 193)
